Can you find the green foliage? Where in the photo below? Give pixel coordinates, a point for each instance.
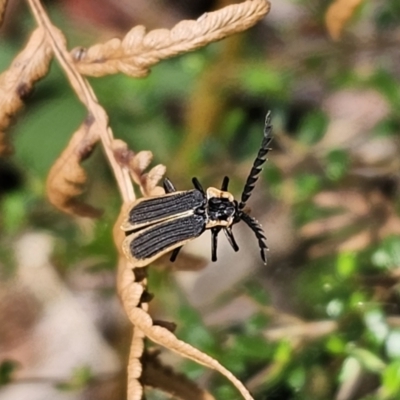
(7, 368)
(337, 163)
(387, 255)
(79, 380)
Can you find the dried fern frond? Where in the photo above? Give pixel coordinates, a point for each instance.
(131, 291)
(137, 164)
(67, 179)
(138, 51)
(3, 4)
(30, 65)
(135, 368)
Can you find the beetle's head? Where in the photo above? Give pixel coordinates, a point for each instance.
(221, 207)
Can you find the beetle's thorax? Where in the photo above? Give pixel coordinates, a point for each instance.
(221, 208)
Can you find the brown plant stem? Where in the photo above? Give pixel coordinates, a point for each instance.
(87, 97)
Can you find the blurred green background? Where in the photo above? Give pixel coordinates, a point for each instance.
(321, 320)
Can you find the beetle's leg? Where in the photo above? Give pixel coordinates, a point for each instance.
(231, 239)
(225, 183)
(198, 186)
(258, 163)
(175, 253)
(214, 243)
(168, 186)
(255, 226)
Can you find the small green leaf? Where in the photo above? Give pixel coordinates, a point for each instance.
(14, 211)
(387, 256)
(306, 185)
(284, 352)
(368, 360)
(297, 378)
(313, 127)
(81, 376)
(254, 348)
(7, 368)
(337, 163)
(391, 380)
(346, 264)
(260, 80)
(335, 344)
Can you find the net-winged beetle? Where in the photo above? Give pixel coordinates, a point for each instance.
(159, 224)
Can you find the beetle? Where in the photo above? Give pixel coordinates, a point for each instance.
(159, 224)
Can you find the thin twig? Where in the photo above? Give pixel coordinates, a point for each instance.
(87, 96)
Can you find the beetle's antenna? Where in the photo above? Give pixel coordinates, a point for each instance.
(230, 237)
(255, 226)
(197, 185)
(168, 186)
(225, 183)
(214, 243)
(258, 162)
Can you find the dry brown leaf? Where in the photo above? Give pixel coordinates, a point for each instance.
(152, 178)
(67, 179)
(159, 376)
(135, 387)
(138, 51)
(141, 161)
(131, 292)
(3, 4)
(338, 14)
(136, 165)
(31, 64)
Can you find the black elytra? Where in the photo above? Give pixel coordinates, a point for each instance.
(159, 224)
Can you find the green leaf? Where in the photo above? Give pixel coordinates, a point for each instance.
(81, 376)
(367, 359)
(337, 163)
(260, 79)
(7, 368)
(336, 344)
(283, 352)
(387, 256)
(297, 378)
(313, 127)
(387, 84)
(252, 347)
(14, 208)
(273, 176)
(391, 380)
(346, 264)
(306, 185)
